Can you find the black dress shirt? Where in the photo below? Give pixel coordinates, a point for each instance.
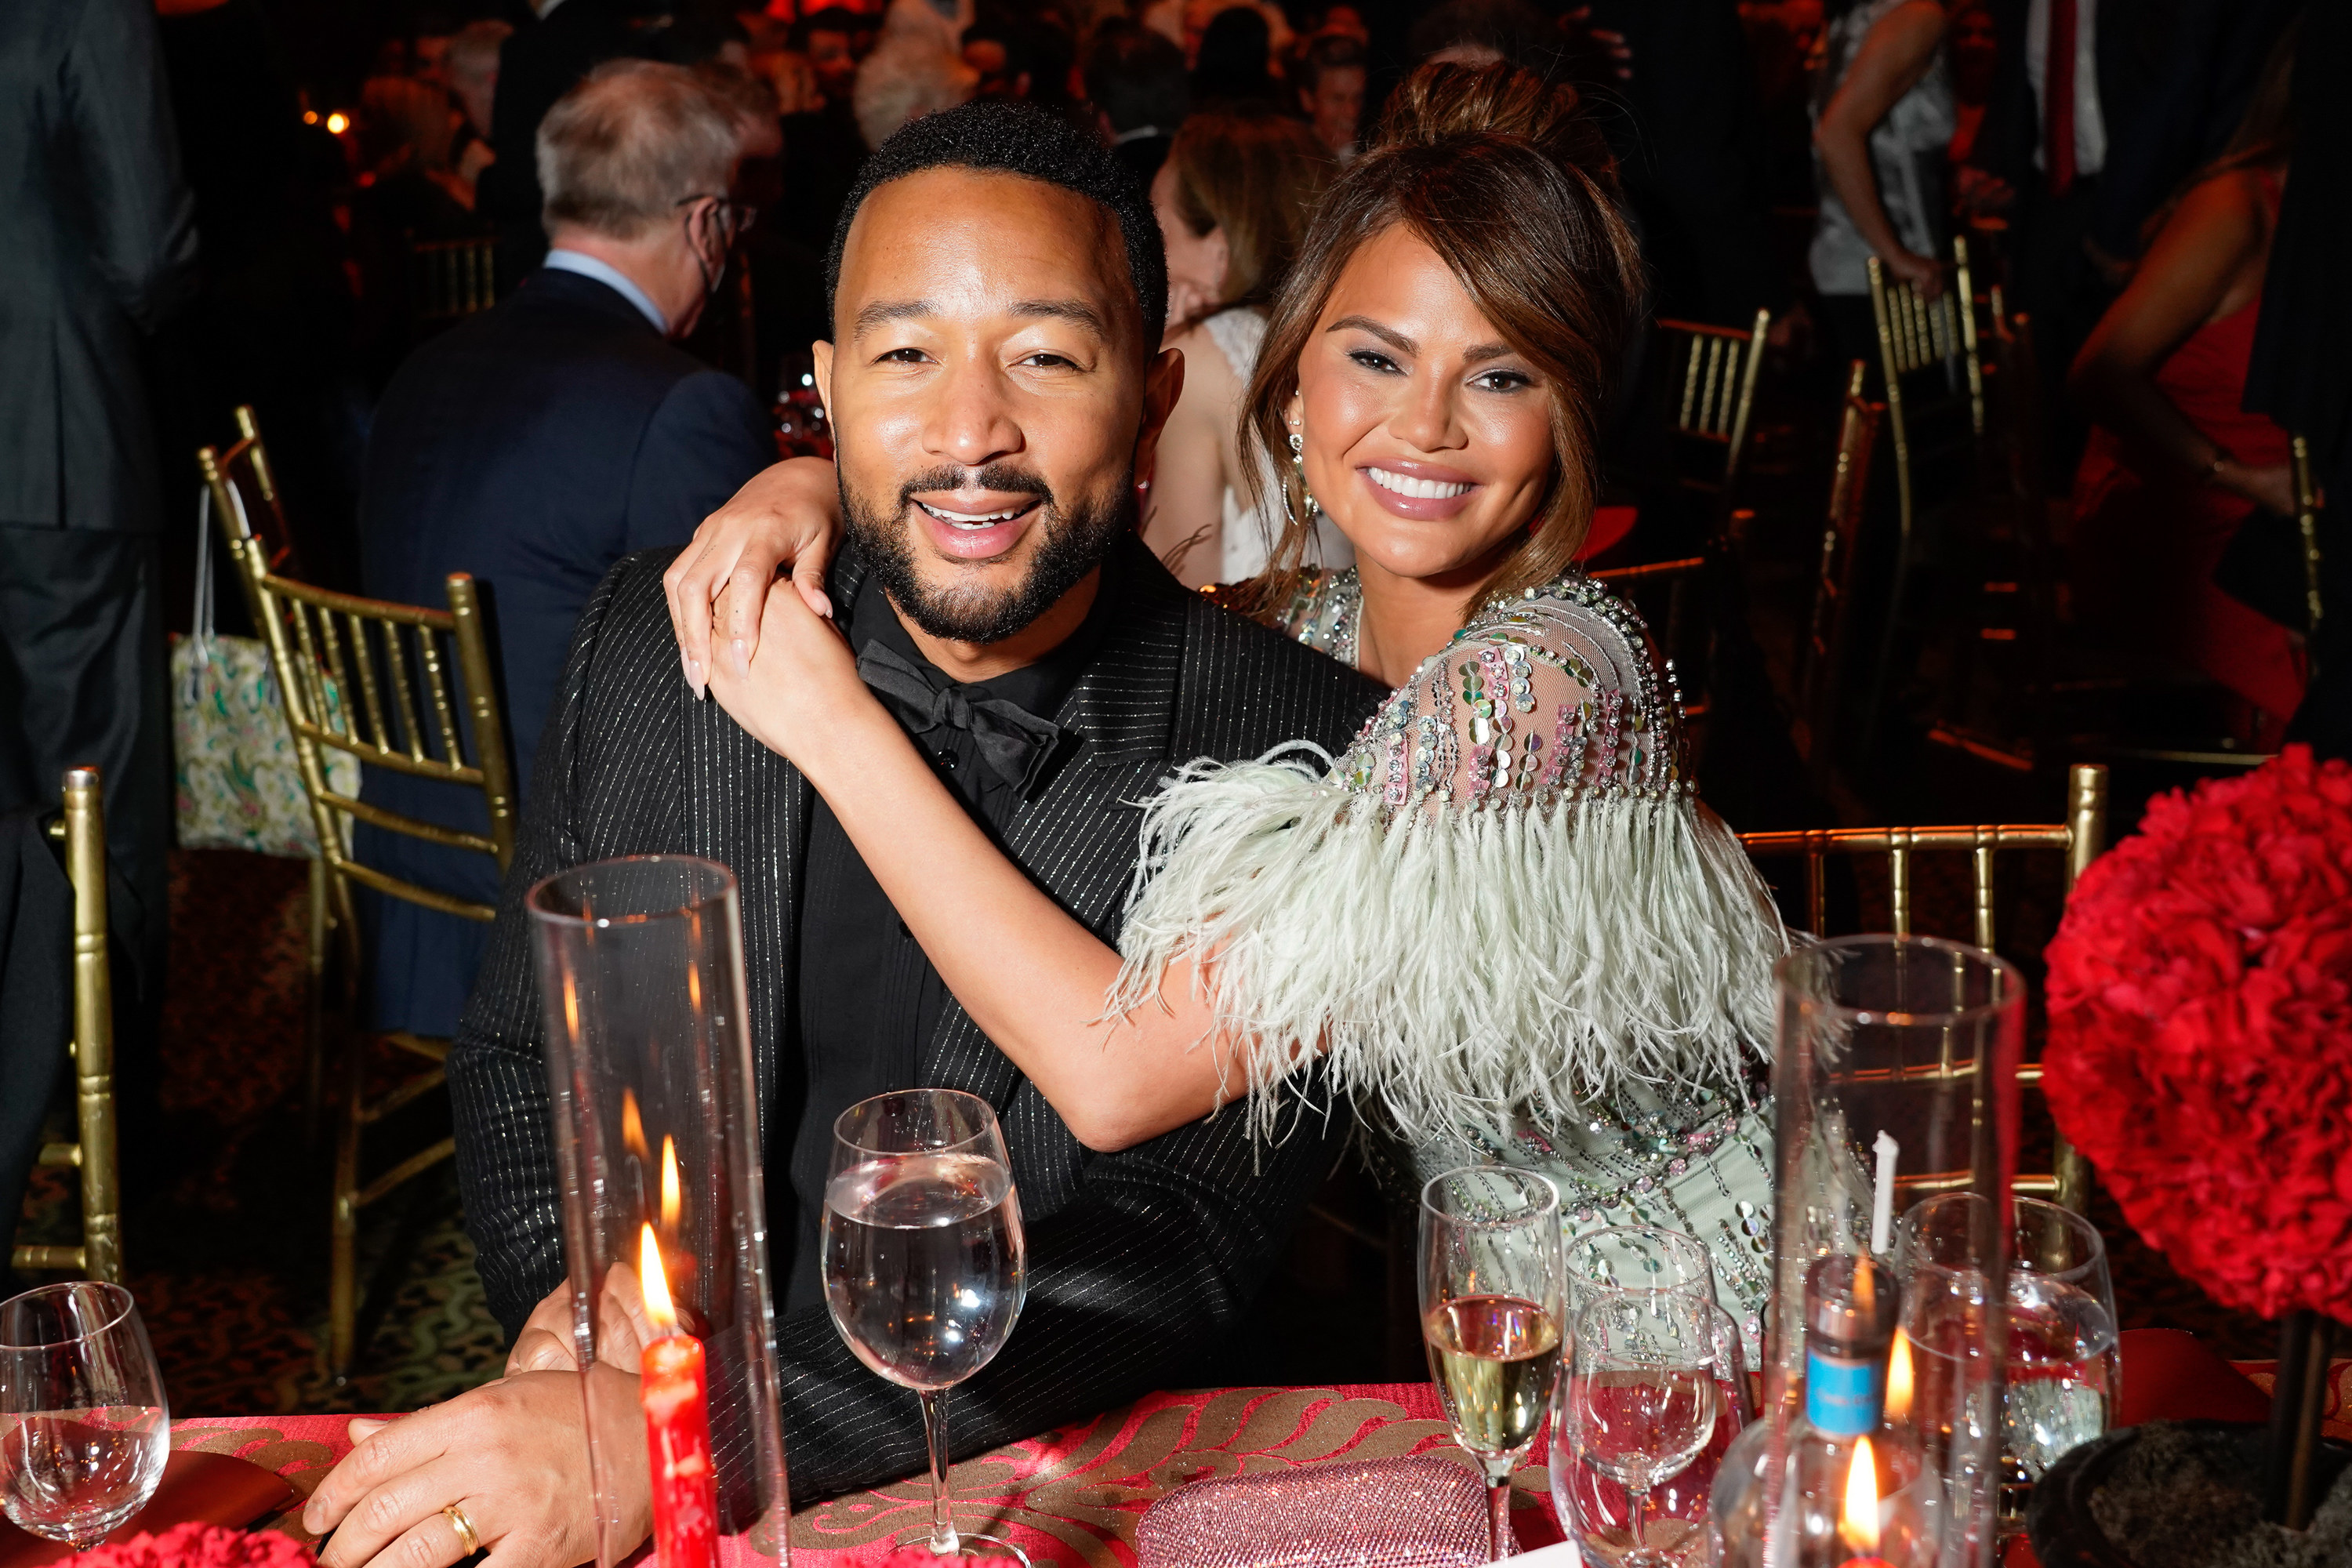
(869, 997)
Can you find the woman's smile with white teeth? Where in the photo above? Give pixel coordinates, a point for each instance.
(1405, 485)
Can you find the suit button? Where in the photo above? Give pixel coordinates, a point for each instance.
(948, 761)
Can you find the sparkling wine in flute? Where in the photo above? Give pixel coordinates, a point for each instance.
(923, 1264)
(1494, 1357)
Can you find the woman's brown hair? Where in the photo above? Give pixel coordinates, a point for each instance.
(1514, 189)
(1257, 175)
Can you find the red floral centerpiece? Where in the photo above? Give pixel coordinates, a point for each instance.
(2200, 1034)
(197, 1545)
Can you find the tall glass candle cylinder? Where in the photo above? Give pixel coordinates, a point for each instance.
(1894, 1080)
(664, 1221)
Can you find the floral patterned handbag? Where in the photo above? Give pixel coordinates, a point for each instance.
(238, 785)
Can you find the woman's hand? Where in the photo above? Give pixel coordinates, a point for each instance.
(789, 517)
(801, 697)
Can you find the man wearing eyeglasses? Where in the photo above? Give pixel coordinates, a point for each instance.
(538, 443)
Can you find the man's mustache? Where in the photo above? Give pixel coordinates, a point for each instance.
(1002, 478)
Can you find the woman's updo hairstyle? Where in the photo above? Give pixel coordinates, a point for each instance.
(1513, 187)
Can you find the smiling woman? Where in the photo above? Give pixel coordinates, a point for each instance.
(1502, 921)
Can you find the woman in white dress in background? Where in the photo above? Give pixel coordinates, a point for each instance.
(1233, 199)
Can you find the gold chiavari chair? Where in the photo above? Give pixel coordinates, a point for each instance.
(95, 1151)
(245, 494)
(2079, 839)
(449, 279)
(1710, 395)
(1823, 659)
(397, 658)
(1933, 378)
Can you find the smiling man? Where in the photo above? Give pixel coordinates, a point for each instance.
(996, 393)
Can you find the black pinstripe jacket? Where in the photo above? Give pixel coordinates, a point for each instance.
(1138, 1261)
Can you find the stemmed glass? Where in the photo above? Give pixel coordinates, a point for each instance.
(1492, 1283)
(1641, 1396)
(2064, 1360)
(925, 1265)
(84, 1429)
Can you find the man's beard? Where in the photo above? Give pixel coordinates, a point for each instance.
(1073, 543)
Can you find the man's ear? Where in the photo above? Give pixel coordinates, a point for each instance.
(1163, 383)
(821, 353)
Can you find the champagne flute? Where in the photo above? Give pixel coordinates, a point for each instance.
(925, 1265)
(1641, 1396)
(1492, 1283)
(84, 1429)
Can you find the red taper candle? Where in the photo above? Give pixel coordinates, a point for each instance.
(676, 1394)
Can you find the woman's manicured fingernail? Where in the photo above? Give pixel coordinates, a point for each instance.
(824, 605)
(363, 1429)
(742, 660)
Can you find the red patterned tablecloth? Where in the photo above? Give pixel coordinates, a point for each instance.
(1070, 1497)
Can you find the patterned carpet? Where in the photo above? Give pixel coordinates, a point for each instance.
(226, 1236)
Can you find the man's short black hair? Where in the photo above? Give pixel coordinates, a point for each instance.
(1016, 138)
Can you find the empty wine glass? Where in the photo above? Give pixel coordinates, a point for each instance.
(1492, 1283)
(1642, 1397)
(1597, 1512)
(84, 1430)
(925, 1265)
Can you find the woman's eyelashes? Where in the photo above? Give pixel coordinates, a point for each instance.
(1506, 380)
(1375, 361)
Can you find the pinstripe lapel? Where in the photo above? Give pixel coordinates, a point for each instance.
(1079, 839)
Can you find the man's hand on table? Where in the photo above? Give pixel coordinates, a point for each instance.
(511, 1455)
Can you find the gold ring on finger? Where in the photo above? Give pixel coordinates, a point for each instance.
(464, 1527)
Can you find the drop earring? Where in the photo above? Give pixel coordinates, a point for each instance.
(1298, 463)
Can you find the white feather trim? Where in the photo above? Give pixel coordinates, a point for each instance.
(1460, 963)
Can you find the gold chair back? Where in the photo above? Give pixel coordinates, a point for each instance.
(449, 279)
(95, 1151)
(1825, 653)
(1710, 395)
(242, 486)
(398, 659)
(2079, 839)
(1934, 375)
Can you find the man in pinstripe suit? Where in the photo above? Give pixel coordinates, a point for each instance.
(996, 393)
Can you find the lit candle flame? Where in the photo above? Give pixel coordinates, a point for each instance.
(1859, 1525)
(669, 1195)
(633, 1127)
(656, 1285)
(1898, 1378)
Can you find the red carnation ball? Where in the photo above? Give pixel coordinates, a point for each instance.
(2200, 1033)
(201, 1546)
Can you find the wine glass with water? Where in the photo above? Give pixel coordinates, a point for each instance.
(84, 1430)
(1492, 1289)
(925, 1267)
(1641, 1396)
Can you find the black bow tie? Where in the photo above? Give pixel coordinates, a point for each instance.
(1013, 740)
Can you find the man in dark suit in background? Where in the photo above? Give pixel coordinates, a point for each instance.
(540, 442)
(997, 389)
(99, 248)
